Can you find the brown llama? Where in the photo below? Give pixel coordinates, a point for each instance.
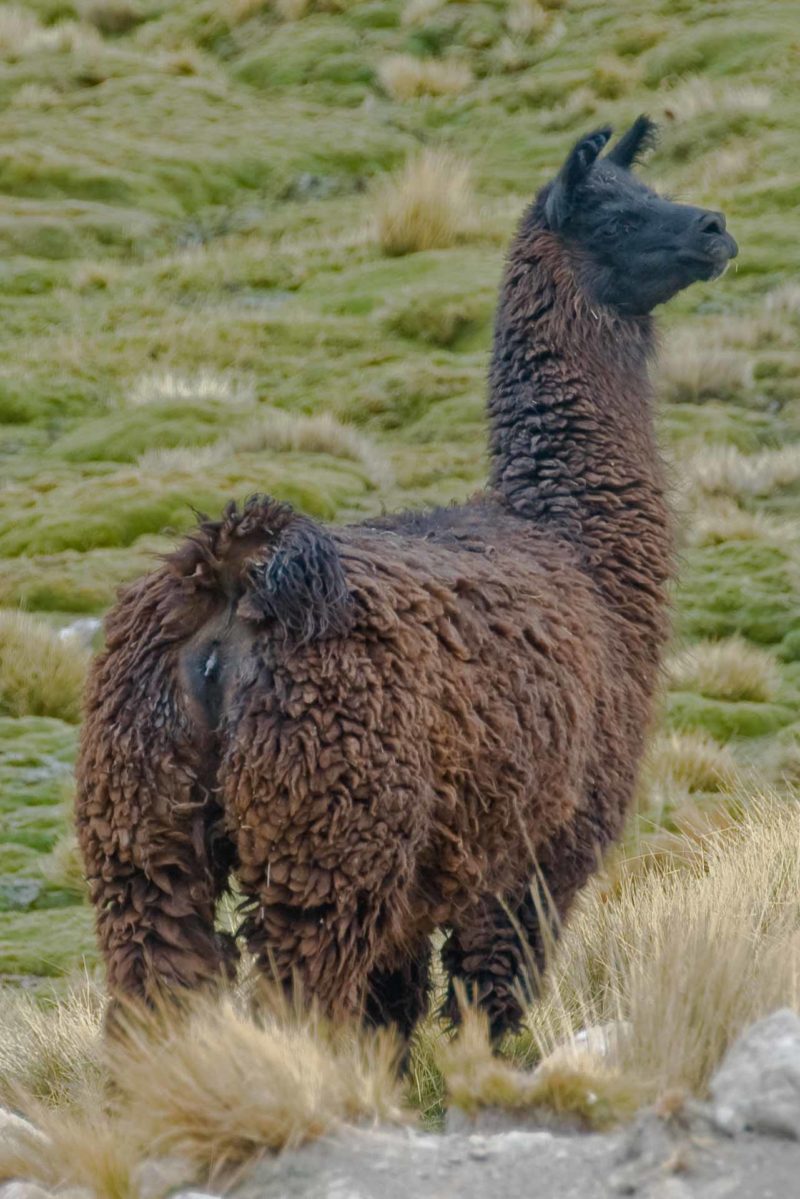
(378, 728)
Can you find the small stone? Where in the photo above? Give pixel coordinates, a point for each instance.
(758, 1084)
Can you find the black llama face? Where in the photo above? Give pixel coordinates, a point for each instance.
(635, 249)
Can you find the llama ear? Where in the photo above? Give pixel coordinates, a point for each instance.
(580, 160)
(631, 146)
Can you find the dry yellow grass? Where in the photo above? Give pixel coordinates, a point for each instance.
(526, 19)
(225, 1085)
(216, 1088)
(428, 205)
(699, 95)
(679, 764)
(784, 301)
(719, 519)
(181, 460)
(694, 367)
(685, 959)
(731, 669)
(40, 673)
(50, 1049)
(219, 387)
(406, 77)
(275, 430)
(726, 471)
(22, 34)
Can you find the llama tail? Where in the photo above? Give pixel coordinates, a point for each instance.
(279, 567)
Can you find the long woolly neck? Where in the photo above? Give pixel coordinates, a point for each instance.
(571, 428)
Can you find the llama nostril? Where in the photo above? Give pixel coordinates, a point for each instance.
(712, 222)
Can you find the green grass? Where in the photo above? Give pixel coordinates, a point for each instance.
(190, 244)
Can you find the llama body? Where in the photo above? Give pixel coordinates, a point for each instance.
(395, 727)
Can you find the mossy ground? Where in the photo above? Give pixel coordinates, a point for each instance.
(187, 240)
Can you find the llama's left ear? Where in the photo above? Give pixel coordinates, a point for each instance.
(632, 145)
(580, 160)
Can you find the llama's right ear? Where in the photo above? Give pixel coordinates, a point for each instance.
(580, 160)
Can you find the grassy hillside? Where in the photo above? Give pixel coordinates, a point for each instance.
(224, 266)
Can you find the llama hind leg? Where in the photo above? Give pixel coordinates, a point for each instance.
(155, 913)
(486, 959)
(398, 996)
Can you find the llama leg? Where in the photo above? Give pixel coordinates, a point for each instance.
(155, 913)
(485, 959)
(147, 826)
(398, 996)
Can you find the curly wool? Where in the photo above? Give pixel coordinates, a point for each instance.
(390, 728)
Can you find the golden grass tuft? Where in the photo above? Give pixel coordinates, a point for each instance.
(562, 1092)
(726, 471)
(22, 34)
(276, 430)
(406, 77)
(693, 367)
(189, 460)
(527, 19)
(40, 673)
(215, 1087)
(428, 205)
(783, 301)
(719, 519)
(732, 670)
(688, 958)
(687, 763)
(50, 1048)
(698, 95)
(168, 386)
(223, 1084)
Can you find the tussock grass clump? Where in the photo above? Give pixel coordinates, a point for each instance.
(276, 430)
(784, 301)
(677, 769)
(527, 19)
(428, 205)
(698, 95)
(40, 674)
(180, 460)
(23, 35)
(216, 1086)
(224, 1085)
(724, 470)
(50, 1049)
(476, 1078)
(732, 670)
(405, 77)
(686, 958)
(206, 386)
(719, 520)
(695, 367)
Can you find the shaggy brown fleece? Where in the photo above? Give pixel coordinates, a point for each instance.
(380, 728)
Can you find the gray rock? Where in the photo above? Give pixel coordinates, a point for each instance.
(758, 1084)
(14, 1128)
(23, 1190)
(158, 1176)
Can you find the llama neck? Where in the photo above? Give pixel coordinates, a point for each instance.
(572, 438)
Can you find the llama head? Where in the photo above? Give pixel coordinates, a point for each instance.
(632, 249)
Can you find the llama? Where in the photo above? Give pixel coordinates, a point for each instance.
(390, 728)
